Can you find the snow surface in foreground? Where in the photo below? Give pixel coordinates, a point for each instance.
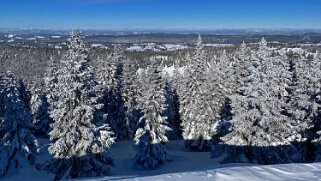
(184, 165)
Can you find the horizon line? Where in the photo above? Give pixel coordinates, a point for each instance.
(167, 29)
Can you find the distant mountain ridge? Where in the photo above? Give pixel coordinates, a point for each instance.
(252, 31)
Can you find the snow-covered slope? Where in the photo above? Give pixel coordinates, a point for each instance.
(26, 172)
(247, 173)
(183, 165)
(186, 165)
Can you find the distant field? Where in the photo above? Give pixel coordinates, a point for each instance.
(45, 39)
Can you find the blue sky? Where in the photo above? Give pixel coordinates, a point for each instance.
(163, 14)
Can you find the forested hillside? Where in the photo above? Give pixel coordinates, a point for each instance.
(249, 103)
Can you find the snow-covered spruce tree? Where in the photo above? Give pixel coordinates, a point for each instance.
(1, 98)
(243, 52)
(188, 59)
(223, 56)
(304, 105)
(229, 80)
(80, 141)
(51, 84)
(104, 72)
(314, 91)
(115, 106)
(40, 108)
(109, 75)
(301, 109)
(242, 64)
(24, 92)
(295, 105)
(151, 134)
(177, 80)
(172, 110)
(221, 84)
(261, 133)
(141, 81)
(17, 139)
(129, 95)
(221, 72)
(197, 111)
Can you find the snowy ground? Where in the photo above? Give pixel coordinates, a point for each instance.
(183, 165)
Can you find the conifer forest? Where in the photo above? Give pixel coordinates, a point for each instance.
(64, 108)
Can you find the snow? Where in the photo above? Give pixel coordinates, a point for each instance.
(10, 35)
(160, 57)
(135, 48)
(40, 37)
(296, 50)
(170, 70)
(299, 51)
(25, 171)
(97, 45)
(140, 70)
(240, 173)
(307, 44)
(183, 165)
(124, 153)
(172, 47)
(155, 47)
(166, 70)
(55, 36)
(151, 46)
(218, 45)
(186, 165)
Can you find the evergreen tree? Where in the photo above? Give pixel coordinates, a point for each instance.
(105, 71)
(24, 92)
(220, 84)
(243, 52)
(39, 107)
(17, 139)
(242, 65)
(172, 111)
(129, 95)
(197, 112)
(300, 109)
(3, 153)
(313, 77)
(151, 134)
(188, 59)
(258, 122)
(109, 75)
(1, 98)
(80, 141)
(177, 80)
(51, 84)
(115, 108)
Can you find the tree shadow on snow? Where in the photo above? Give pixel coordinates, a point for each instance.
(226, 156)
